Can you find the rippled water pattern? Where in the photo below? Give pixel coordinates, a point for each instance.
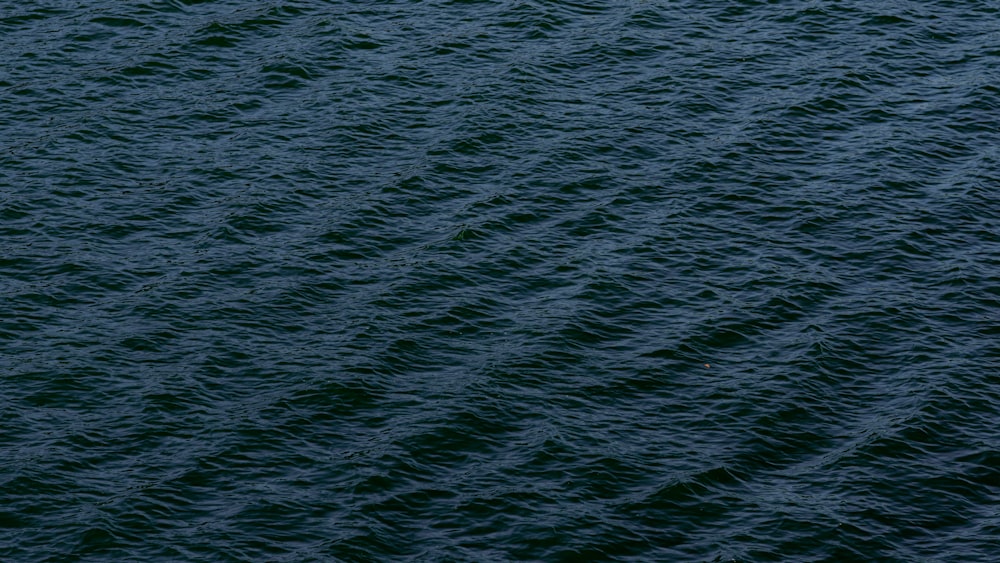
(500, 281)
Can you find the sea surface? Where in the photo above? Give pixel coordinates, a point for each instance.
(500, 280)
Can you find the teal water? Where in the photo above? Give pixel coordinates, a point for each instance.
(499, 281)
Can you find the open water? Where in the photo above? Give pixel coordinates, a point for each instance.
(507, 280)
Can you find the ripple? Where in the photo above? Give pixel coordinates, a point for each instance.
(499, 280)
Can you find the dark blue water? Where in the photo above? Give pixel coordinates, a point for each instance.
(500, 281)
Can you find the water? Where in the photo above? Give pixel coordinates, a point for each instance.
(499, 280)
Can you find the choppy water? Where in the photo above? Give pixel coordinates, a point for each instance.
(499, 280)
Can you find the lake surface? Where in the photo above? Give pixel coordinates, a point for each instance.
(500, 281)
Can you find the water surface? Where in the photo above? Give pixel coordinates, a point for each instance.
(499, 281)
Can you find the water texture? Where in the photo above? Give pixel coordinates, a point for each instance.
(499, 281)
